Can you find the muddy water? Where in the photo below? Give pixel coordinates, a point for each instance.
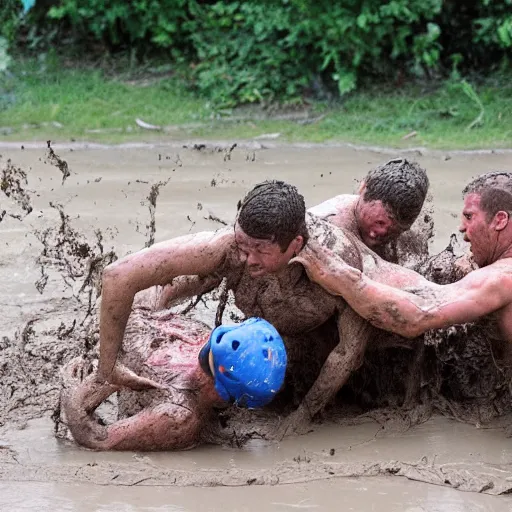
(107, 189)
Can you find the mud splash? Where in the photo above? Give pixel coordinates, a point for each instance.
(12, 184)
(58, 162)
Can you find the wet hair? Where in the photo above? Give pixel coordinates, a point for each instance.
(495, 191)
(401, 186)
(273, 210)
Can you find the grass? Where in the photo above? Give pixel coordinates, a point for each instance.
(41, 100)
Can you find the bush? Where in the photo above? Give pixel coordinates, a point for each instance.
(248, 51)
(10, 15)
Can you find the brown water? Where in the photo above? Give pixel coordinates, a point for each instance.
(37, 472)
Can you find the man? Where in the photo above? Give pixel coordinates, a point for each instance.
(243, 364)
(253, 256)
(388, 202)
(486, 225)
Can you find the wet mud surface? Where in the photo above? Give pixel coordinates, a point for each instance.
(68, 212)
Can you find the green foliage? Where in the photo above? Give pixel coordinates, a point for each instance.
(249, 51)
(237, 51)
(121, 24)
(4, 56)
(10, 15)
(246, 52)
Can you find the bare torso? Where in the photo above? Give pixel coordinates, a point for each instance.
(312, 321)
(164, 346)
(503, 316)
(290, 301)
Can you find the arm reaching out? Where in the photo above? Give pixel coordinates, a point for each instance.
(200, 254)
(431, 306)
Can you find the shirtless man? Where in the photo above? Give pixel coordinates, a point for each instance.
(271, 228)
(243, 364)
(388, 202)
(487, 226)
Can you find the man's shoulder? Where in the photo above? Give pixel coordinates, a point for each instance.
(337, 239)
(319, 228)
(225, 236)
(501, 269)
(212, 247)
(495, 276)
(334, 204)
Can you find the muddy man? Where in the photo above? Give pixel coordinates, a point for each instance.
(242, 364)
(271, 228)
(382, 215)
(385, 213)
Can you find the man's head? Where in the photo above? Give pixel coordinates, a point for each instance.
(486, 216)
(270, 226)
(247, 362)
(391, 198)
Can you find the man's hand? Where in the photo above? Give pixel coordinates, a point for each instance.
(298, 423)
(321, 264)
(122, 376)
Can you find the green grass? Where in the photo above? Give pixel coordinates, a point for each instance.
(35, 96)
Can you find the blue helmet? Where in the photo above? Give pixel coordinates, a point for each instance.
(249, 361)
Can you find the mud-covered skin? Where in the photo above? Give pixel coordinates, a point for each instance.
(287, 298)
(161, 346)
(485, 223)
(467, 376)
(299, 309)
(411, 307)
(407, 249)
(269, 296)
(469, 371)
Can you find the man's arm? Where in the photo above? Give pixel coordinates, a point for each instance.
(354, 335)
(200, 254)
(345, 358)
(409, 314)
(184, 287)
(164, 427)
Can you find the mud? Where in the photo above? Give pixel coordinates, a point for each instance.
(50, 264)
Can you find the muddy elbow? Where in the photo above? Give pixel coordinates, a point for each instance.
(86, 440)
(112, 277)
(110, 273)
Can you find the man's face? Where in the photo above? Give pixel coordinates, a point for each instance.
(261, 256)
(478, 231)
(376, 225)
